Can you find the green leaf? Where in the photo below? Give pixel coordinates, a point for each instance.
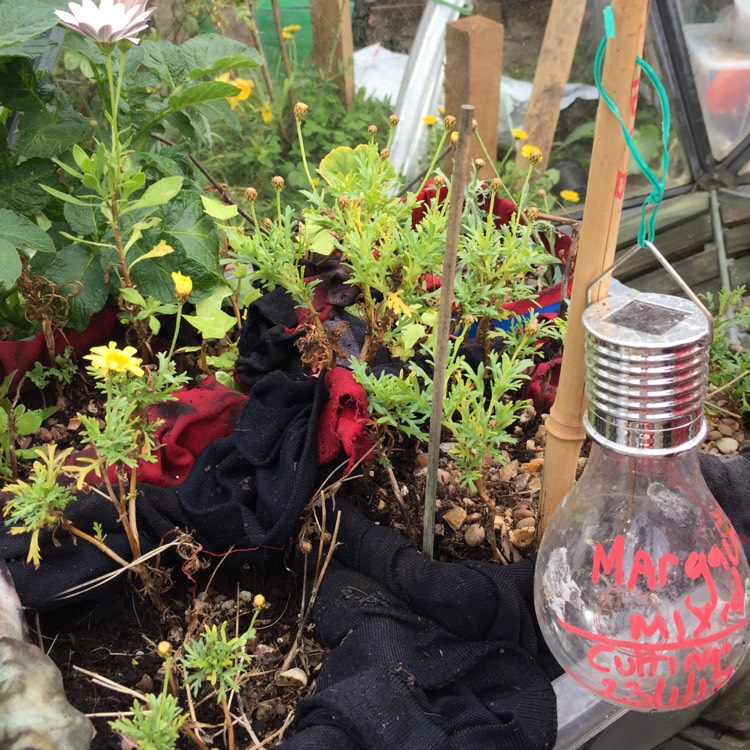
(33, 48)
(10, 264)
(21, 90)
(213, 326)
(157, 194)
(23, 233)
(251, 59)
(77, 269)
(205, 91)
(28, 422)
(23, 21)
(204, 54)
(166, 59)
(158, 251)
(218, 111)
(219, 210)
(19, 185)
(133, 296)
(340, 161)
(83, 220)
(48, 133)
(193, 236)
(66, 196)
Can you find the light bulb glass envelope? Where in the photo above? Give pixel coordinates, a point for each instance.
(641, 584)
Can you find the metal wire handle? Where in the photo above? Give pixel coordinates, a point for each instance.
(667, 267)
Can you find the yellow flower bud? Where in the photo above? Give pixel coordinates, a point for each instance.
(164, 649)
(438, 181)
(532, 213)
(385, 153)
(393, 120)
(449, 122)
(496, 184)
(300, 110)
(454, 139)
(277, 182)
(259, 601)
(251, 194)
(372, 129)
(183, 285)
(479, 164)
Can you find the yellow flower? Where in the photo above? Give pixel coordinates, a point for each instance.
(532, 153)
(266, 114)
(259, 601)
(395, 303)
(570, 195)
(429, 120)
(245, 85)
(288, 32)
(441, 110)
(519, 134)
(183, 285)
(109, 359)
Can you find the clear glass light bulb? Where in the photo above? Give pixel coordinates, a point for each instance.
(641, 588)
(641, 585)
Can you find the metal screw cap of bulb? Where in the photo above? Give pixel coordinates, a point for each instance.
(642, 588)
(647, 371)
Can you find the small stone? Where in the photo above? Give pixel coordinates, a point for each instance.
(420, 460)
(228, 604)
(731, 421)
(527, 523)
(713, 451)
(295, 676)
(447, 447)
(521, 481)
(145, 684)
(725, 429)
(714, 435)
(444, 476)
(522, 510)
(246, 596)
(535, 484)
(455, 517)
(474, 535)
(522, 538)
(473, 517)
(739, 436)
(727, 445)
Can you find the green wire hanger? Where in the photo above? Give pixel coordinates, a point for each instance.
(647, 228)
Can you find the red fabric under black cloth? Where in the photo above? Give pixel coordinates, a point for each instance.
(21, 356)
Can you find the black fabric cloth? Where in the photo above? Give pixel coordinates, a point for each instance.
(425, 654)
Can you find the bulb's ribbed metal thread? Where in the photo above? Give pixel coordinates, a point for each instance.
(646, 373)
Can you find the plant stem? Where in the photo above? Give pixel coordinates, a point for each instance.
(437, 155)
(93, 540)
(298, 123)
(178, 320)
(228, 723)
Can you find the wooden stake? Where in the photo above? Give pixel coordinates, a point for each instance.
(552, 73)
(334, 49)
(601, 219)
(455, 210)
(473, 66)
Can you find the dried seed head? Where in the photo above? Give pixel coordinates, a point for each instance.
(259, 601)
(304, 546)
(300, 110)
(267, 223)
(474, 125)
(449, 122)
(479, 164)
(496, 184)
(454, 139)
(532, 213)
(164, 649)
(438, 181)
(385, 153)
(277, 182)
(251, 194)
(344, 201)
(372, 129)
(393, 119)
(541, 193)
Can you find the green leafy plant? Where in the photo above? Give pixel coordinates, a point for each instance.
(16, 421)
(62, 371)
(89, 203)
(730, 364)
(125, 438)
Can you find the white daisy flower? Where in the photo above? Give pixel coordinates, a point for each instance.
(108, 23)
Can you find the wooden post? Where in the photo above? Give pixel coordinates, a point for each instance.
(552, 73)
(473, 66)
(601, 220)
(332, 36)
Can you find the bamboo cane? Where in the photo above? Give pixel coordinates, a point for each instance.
(601, 218)
(455, 210)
